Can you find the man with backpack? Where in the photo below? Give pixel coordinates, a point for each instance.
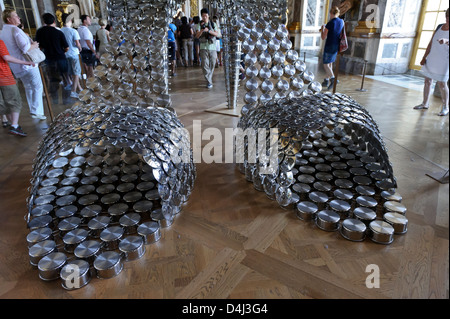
(207, 32)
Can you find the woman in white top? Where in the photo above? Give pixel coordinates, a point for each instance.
(18, 43)
(436, 67)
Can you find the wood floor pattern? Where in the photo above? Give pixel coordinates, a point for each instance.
(231, 241)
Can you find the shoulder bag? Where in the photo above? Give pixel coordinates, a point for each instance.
(343, 44)
(33, 55)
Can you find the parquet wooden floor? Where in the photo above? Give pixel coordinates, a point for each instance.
(231, 241)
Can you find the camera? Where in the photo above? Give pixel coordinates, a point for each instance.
(207, 36)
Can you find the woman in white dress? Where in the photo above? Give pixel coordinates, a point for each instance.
(435, 66)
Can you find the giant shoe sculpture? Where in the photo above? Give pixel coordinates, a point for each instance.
(108, 174)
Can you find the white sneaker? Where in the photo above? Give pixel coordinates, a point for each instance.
(444, 111)
(39, 116)
(74, 95)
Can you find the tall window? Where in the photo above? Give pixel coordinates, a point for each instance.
(24, 10)
(433, 14)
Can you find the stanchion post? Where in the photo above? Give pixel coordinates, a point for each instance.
(47, 96)
(304, 57)
(362, 89)
(336, 72)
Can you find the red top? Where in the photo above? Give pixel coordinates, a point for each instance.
(6, 77)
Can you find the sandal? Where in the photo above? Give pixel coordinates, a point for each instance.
(444, 111)
(421, 107)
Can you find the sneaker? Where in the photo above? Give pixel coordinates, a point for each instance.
(39, 116)
(17, 131)
(421, 107)
(444, 111)
(209, 86)
(68, 87)
(74, 95)
(325, 83)
(330, 86)
(6, 124)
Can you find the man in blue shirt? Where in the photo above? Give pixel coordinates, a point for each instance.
(332, 33)
(172, 47)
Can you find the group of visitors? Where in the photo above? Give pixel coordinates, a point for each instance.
(62, 48)
(194, 42)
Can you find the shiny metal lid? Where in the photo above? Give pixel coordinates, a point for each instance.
(107, 260)
(354, 225)
(111, 233)
(328, 216)
(381, 227)
(42, 248)
(52, 261)
(307, 207)
(99, 222)
(39, 235)
(365, 213)
(343, 194)
(366, 201)
(148, 228)
(391, 196)
(75, 236)
(395, 207)
(395, 218)
(80, 265)
(131, 243)
(41, 210)
(118, 209)
(69, 223)
(130, 219)
(87, 248)
(40, 221)
(66, 211)
(339, 205)
(318, 197)
(91, 211)
(365, 190)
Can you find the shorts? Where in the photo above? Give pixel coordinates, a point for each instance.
(172, 51)
(329, 56)
(58, 66)
(74, 66)
(10, 100)
(88, 57)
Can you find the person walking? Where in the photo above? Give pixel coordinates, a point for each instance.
(186, 34)
(435, 66)
(72, 55)
(88, 53)
(18, 43)
(54, 45)
(10, 100)
(207, 33)
(331, 32)
(195, 24)
(172, 48)
(101, 37)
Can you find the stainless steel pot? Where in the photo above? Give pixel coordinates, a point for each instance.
(162, 220)
(97, 225)
(88, 250)
(108, 264)
(398, 221)
(150, 231)
(111, 236)
(40, 250)
(327, 220)
(133, 247)
(364, 214)
(353, 229)
(306, 210)
(75, 274)
(39, 235)
(130, 223)
(50, 266)
(73, 238)
(381, 232)
(394, 207)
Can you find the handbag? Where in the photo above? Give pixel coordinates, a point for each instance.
(33, 55)
(343, 44)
